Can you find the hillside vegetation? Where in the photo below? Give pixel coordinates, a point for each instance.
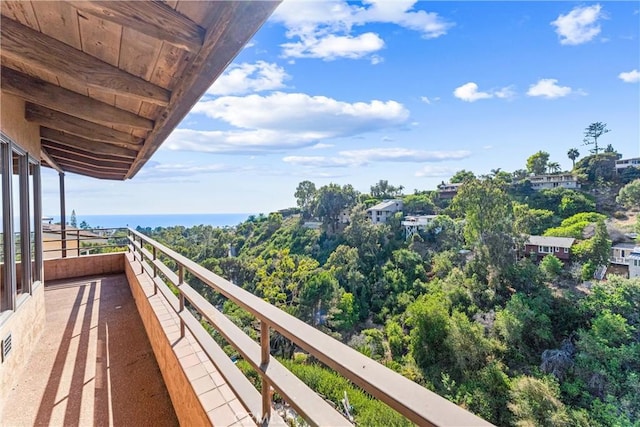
(454, 308)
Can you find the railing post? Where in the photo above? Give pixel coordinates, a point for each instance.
(78, 241)
(266, 386)
(141, 257)
(180, 283)
(155, 271)
(129, 243)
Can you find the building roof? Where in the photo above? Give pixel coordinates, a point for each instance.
(107, 82)
(560, 242)
(384, 205)
(630, 245)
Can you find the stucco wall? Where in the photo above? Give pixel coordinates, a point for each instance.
(89, 265)
(13, 124)
(25, 326)
(186, 403)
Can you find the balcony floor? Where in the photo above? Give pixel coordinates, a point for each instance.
(93, 364)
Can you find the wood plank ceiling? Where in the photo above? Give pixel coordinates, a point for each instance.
(107, 81)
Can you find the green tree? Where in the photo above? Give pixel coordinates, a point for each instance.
(553, 167)
(551, 266)
(629, 195)
(594, 167)
(462, 176)
(488, 215)
(537, 163)
(592, 133)
(536, 402)
(629, 174)
(305, 196)
(573, 154)
(601, 248)
(331, 200)
(73, 222)
(383, 190)
(531, 221)
(418, 204)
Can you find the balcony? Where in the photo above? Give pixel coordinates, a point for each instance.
(124, 341)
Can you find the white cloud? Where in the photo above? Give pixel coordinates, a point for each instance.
(333, 47)
(245, 78)
(351, 158)
(321, 145)
(425, 99)
(282, 121)
(469, 92)
(435, 171)
(156, 171)
(580, 25)
(632, 76)
(327, 29)
(505, 93)
(549, 88)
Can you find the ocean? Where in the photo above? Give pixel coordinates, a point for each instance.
(158, 220)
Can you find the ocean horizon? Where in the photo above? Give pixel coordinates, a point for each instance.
(158, 220)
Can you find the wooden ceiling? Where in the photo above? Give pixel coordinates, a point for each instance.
(107, 81)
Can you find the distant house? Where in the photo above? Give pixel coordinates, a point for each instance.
(379, 213)
(448, 190)
(626, 255)
(622, 164)
(541, 246)
(562, 180)
(412, 224)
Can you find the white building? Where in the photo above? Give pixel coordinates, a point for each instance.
(379, 213)
(634, 262)
(412, 224)
(563, 180)
(627, 254)
(622, 164)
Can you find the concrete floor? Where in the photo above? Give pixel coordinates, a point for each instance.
(93, 364)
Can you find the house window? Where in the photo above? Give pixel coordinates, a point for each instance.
(545, 249)
(20, 237)
(556, 249)
(566, 250)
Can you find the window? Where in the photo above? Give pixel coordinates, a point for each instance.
(21, 236)
(566, 250)
(545, 249)
(556, 249)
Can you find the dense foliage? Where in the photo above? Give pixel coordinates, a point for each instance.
(453, 308)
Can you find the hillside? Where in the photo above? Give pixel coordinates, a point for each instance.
(454, 308)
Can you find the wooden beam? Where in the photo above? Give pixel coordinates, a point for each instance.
(47, 158)
(151, 18)
(41, 52)
(75, 126)
(233, 24)
(95, 147)
(92, 172)
(72, 103)
(61, 150)
(64, 158)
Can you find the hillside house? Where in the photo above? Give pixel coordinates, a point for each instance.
(540, 246)
(412, 224)
(626, 257)
(546, 182)
(448, 190)
(380, 213)
(622, 164)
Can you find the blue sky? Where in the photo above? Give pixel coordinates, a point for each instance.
(399, 90)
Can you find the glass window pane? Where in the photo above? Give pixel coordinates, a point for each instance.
(21, 285)
(2, 284)
(33, 221)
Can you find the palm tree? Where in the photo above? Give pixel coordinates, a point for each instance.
(553, 167)
(573, 154)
